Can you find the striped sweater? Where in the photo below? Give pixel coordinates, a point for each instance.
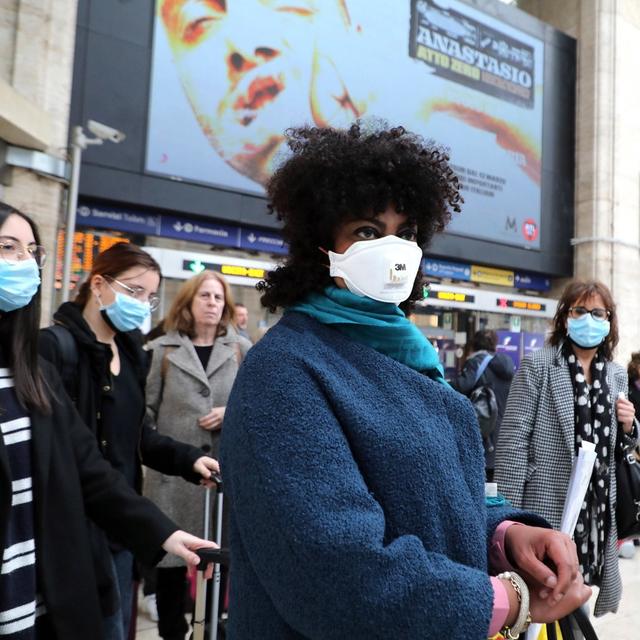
(20, 603)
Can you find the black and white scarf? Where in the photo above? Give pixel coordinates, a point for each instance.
(593, 422)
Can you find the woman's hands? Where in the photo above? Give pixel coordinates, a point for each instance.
(625, 413)
(541, 609)
(183, 544)
(213, 419)
(544, 610)
(529, 547)
(554, 594)
(206, 467)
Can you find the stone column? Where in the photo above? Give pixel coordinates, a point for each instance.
(37, 39)
(607, 199)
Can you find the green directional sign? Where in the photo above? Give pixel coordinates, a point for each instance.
(197, 266)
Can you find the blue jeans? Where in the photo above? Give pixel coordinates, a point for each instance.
(116, 626)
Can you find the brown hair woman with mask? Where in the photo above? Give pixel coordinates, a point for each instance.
(566, 393)
(97, 346)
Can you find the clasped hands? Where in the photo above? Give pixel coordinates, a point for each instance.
(554, 592)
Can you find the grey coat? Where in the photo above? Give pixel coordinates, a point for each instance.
(178, 393)
(536, 450)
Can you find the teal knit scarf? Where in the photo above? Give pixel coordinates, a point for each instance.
(380, 325)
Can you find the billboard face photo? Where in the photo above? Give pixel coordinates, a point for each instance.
(229, 77)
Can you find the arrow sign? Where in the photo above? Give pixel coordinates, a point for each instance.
(197, 266)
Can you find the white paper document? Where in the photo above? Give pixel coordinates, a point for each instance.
(578, 483)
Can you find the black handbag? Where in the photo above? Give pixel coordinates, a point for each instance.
(628, 488)
(578, 618)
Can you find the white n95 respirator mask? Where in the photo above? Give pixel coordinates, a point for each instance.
(383, 269)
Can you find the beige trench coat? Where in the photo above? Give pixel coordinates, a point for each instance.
(178, 393)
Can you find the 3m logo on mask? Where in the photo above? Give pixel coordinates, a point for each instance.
(383, 269)
(398, 273)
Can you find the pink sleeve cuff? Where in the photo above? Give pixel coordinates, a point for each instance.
(500, 607)
(497, 555)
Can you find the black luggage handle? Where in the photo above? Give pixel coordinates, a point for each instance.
(212, 556)
(217, 478)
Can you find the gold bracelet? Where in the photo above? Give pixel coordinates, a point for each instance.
(523, 619)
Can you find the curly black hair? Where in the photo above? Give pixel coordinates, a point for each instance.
(337, 175)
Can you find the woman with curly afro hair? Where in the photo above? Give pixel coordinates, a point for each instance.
(355, 473)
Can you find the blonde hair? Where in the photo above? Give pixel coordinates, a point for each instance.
(180, 318)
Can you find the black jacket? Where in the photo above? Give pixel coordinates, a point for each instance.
(91, 383)
(499, 374)
(94, 382)
(72, 480)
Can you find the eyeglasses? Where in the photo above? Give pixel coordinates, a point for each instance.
(598, 314)
(12, 250)
(139, 293)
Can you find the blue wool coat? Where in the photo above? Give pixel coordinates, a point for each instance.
(357, 496)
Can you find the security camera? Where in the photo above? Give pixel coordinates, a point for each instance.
(104, 132)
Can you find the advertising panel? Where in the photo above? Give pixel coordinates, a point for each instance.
(228, 78)
(509, 344)
(532, 342)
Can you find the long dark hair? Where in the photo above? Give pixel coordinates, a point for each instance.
(577, 291)
(19, 338)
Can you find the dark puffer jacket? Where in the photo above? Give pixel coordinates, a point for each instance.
(498, 374)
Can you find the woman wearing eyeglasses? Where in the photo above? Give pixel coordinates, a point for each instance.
(96, 346)
(52, 475)
(562, 395)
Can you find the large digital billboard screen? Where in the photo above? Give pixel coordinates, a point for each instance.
(229, 76)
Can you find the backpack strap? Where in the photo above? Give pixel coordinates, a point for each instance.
(483, 366)
(69, 354)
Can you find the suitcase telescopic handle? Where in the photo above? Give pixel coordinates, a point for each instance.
(212, 556)
(217, 478)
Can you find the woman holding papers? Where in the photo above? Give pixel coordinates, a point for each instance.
(355, 473)
(562, 395)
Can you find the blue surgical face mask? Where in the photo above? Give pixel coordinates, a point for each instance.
(126, 313)
(587, 332)
(19, 282)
